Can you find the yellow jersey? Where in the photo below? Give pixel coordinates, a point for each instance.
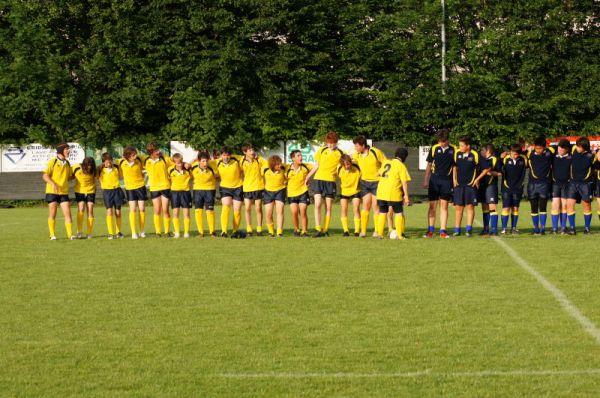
(253, 179)
(180, 180)
(274, 181)
(328, 161)
(349, 180)
(133, 173)
(158, 172)
(230, 173)
(369, 163)
(109, 177)
(296, 179)
(205, 180)
(392, 174)
(84, 183)
(59, 171)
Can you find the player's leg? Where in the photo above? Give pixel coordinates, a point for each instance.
(141, 205)
(90, 218)
(555, 213)
(303, 207)
(535, 213)
(485, 209)
(543, 206)
(227, 203)
(198, 212)
(356, 202)
(133, 210)
(444, 204)
(344, 215)
(587, 215)
(248, 202)
(157, 208)
(431, 214)
(186, 221)
(269, 217)
(514, 220)
(328, 210)
(318, 204)
(66, 210)
(52, 208)
(176, 223)
(470, 219)
(493, 218)
(258, 204)
(237, 214)
(109, 222)
(279, 208)
(367, 203)
(164, 205)
(294, 210)
(80, 214)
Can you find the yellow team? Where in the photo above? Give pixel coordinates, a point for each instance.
(367, 180)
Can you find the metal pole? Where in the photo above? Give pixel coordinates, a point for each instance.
(443, 46)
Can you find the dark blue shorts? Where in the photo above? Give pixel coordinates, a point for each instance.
(368, 187)
(157, 194)
(511, 198)
(560, 190)
(440, 188)
(235, 193)
(205, 199)
(325, 188)
(539, 190)
(181, 199)
(597, 188)
(254, 195)
(113, 198)
(304, 198)
(355, 196)
(272, 196)
(384, 206)
(580, 191)
(52, 197)
(487, 194)
(85, 197)
(465, 195)
(136, 194)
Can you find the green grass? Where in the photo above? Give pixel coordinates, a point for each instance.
(308, 317)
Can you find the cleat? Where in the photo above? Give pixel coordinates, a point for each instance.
(120, 235)
(586, 231)
(484, 232)
(514, 231)
(319, 234)
(572, 231)
(280, 235)
(375, 235)
(356, 234)
(73, 237)
(134, 236)
(110, 237)
(186, 235)
(494, 233)
(176, 236)
(259, 233)
(250, 233)
(158, 235)
(304, 234)
(346, 233)
(444, 235)
(428, 234)
(224, 235)
(468, 234)
(271, 235)
(362, 235)
(90, 236)
(503, 232)
(456, 234)
(200, 235)
(142, 234)
(79, 235)
(296, 233)
(235, 235)
(554, 232)
(542, 232)
(213, 235)
(53, 238)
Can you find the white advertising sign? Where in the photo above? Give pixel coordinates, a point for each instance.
(34, 157)
(423, 152)
(309, 150)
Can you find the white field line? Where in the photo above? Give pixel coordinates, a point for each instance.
(408, 375)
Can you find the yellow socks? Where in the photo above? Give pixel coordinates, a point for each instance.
(109, 225)
(176, 225)
(79, 222)
(142, 221)
(345, 224)
(326, 223)
(156, 219)
(199, 221)
(90, 225)
(259, 229)
(52, 227)
(398, 220)
(237, 220)
(167, 224)
(132, 223)
(364, 221)
(186, 225)
(380, 224)
(318, 228)
(271, 229)
(225, 218)
(249, 228)
(118, 226)
(279, 231)
(356, 225)
(69, 228)
(210, 215)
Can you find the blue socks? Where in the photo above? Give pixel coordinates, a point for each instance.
(494, 221)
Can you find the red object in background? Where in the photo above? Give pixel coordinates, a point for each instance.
(594, 140)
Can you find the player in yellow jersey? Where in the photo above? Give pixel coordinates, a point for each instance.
(157, 166)
(297, 191)
(181, 198)
(112, 194)
(369, 160)
(392, 192)
(85, 194)
(230, 174)
(350, 177)
(132, 170)
(327, 161)
(254, 186)
(204, 173)
(56, 176)
(275, 187)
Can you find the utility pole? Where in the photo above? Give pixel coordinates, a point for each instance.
(443, 47)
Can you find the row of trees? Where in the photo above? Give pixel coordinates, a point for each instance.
(227, 71)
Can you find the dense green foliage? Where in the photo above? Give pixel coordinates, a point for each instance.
(210, 72)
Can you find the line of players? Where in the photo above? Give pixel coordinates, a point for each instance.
(567, 175)
(368, 180)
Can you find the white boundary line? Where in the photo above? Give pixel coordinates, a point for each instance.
(408, 375)
(562, 298)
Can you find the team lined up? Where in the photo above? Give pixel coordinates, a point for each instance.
(367, 179)
(567, 175)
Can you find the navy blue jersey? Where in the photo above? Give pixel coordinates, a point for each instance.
(466, 167)
(513, 172)
(581, 166)
(442, 160)
(561, 168)
(540, 166)
(493, 164)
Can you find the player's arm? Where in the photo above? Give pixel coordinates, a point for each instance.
(47, 179)
(311, 173)
(454, 176)
(406, 199)
(481, 175)
(427, 176)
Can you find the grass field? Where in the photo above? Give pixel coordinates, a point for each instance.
(294, 316)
